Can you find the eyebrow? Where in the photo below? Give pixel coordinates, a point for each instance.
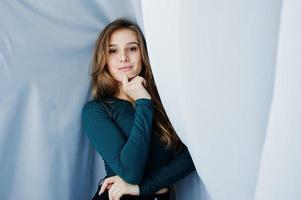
(111, 45)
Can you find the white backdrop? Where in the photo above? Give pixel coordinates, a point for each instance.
(45, 52)
(280, 174)
(228, 73)
(215, 63)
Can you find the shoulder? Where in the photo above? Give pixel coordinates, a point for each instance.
(93, 107)
(93, 104)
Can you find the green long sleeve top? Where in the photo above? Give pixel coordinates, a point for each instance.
(124, 138)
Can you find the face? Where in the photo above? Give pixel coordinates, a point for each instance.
(123, 54)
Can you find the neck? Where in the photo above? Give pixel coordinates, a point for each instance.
(124, 96)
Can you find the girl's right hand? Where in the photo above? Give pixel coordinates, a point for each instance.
(135, 88)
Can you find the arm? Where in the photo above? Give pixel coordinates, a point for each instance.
(178, 168)
(126, 157)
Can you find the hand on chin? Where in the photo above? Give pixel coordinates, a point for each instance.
(129, 76)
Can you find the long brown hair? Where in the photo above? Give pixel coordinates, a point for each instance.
(104, 85)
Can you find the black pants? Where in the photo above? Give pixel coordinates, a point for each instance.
(105, 195)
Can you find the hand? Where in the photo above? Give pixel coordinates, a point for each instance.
(135, 88)
(118, 187)
(162, 191)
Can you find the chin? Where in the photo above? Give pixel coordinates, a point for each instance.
(131, 76)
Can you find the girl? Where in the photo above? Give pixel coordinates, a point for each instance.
(126, 122)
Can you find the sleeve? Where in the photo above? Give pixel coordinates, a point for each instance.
(126, 156)
(178, 168)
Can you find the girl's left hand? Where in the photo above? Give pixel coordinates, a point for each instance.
(118, 187)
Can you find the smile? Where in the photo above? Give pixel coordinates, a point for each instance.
(126, 68)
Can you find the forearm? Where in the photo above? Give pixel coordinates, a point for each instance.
(178, 168)
(133, 155)
(126, 157)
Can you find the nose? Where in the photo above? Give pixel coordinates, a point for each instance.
(124, 58)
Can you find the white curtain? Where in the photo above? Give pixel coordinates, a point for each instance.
(215, 63)
(280, 169)
(45, 52)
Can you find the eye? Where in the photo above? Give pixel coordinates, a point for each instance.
(112, 51)
(133, 49)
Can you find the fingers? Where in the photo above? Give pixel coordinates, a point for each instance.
(162, 190)
(116, 192)
(139, 79)
(144, 83)
(106, 183)
(136, 88)
(125, 79)
(133, 84)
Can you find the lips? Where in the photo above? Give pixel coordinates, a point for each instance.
(125, 68)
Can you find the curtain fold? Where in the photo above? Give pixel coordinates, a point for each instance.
(280, 174)
(45, 53)
(215, 65)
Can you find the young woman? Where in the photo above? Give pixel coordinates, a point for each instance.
(126, 122)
